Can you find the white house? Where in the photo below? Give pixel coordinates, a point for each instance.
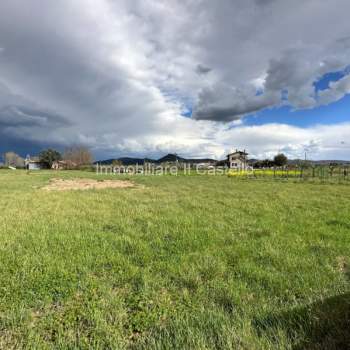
(32, 163)
(238, 160)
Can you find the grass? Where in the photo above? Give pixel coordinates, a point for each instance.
(265, 173)
(181, 262)
(310, 174)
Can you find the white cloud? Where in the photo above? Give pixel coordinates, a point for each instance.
(320, 141)
(202, 139)
(337, 90)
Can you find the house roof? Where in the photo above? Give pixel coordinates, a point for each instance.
(32, 160)
(241, 153)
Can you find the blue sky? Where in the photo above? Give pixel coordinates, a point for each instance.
(336, 112)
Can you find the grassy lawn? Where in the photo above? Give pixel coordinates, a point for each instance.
(177, 262)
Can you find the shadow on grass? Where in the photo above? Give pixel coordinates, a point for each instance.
(340, 223)
(322, 325)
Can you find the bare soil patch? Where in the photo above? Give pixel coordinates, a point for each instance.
(85, 184)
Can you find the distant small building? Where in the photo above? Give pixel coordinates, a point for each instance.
(238, 160)
(63, 165)
(33, 163)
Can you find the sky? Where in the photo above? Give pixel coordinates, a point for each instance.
(195, 77)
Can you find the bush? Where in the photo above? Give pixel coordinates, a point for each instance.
(87, 167)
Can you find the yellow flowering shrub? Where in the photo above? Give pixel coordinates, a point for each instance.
(264, 172)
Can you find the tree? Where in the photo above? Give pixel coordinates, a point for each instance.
(280, 160)
(79, 155)
(47, 157)
(13, 159)
(266, 163)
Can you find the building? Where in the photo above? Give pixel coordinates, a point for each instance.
(33, 163)
(238, 160)
(63, 165)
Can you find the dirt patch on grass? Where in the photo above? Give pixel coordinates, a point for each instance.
(344, 266)
(85, 184)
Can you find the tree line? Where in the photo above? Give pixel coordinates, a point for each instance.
(76, 156)
(279, 160)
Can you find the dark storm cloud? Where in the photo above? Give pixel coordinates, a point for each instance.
(23, 146)
(227, 114)
(201, 69)
(52, 61)
(17, 116)
(223, 103)
(264, 2)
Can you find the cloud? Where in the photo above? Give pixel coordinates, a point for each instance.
(117, 75)
(200, 69)
(337, 90)
(17, 116)
(264, 2)
(294, 74)
(280, 47)
(23, 120)
(319, 141)
(261, 141)
(225, 103)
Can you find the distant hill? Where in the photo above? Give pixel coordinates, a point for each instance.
(172, 158)
(125, 161)
(105, 162)
(302, 161)
(169, 158)
(318, 162)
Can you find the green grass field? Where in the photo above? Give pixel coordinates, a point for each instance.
(177, 262)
